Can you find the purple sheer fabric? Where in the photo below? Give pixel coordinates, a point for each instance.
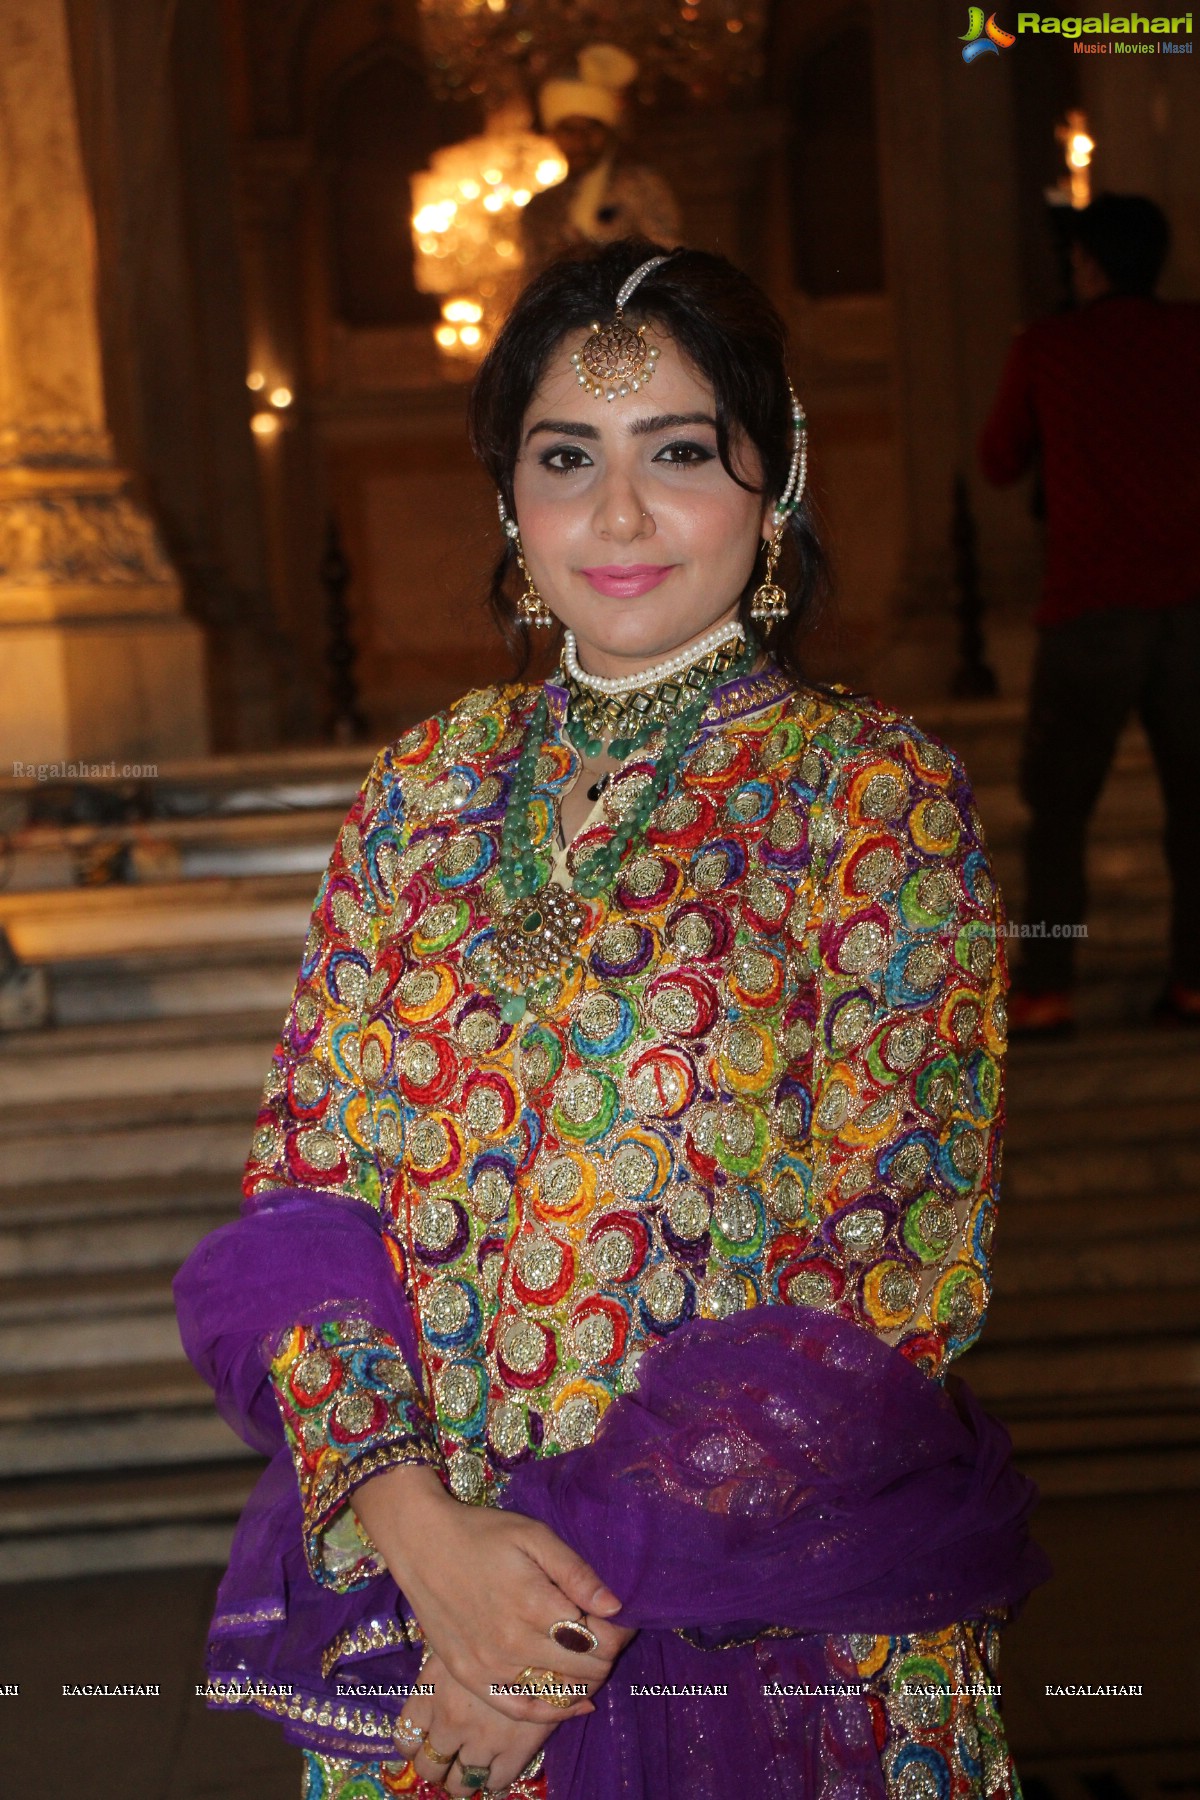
(780, 1468)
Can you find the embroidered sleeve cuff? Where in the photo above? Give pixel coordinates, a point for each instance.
(350, 1409)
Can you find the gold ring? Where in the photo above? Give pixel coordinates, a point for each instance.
(542, 1678)
(573, 1634)
(439, 1756)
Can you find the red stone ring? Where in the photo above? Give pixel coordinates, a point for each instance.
(573, 1634)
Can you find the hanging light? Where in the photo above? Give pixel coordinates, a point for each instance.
(466, 232)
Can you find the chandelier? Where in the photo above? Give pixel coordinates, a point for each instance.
(704, 45)
(466, 228)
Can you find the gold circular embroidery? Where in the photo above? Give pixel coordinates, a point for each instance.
(458, 1390)
(863, 949)
(593, 1337)
(904, 1046)
(539, 1262)
(560, 1179)
(485, 1112)
(312, 1371)
(434, 1222)
(677, 813)
(575, 1422)
(609, 1255)
(643, 876)
(786, 1198)
(618, 943)
(355, 1413)
(861, 1233)
(745, 1050)
(319, 1148)
(446, 1308)
(675, 1010)
(876, 871)
(580, 1096)
(428, 1144)
(418, 988)
(460, 853)
(898, 1291)
(735, 1214)
(633, 1170)
(688, 1211)
(508, 1432)
(599, 1016)
(522, 1346)
(851, 1024)
(810, 1287)
(479, 1032)
(692, 935)
(883, 797)
(723, 1296)
(466, 1478)
(664, 1294)
(490, 1194)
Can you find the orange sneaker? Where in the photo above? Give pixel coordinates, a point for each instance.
(1047, 1015)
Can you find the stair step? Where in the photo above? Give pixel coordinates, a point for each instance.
(129, 1441)
(64, 1395)
(50, 926)
(1108, 1267)
(109, 1246)
(55, 1504)
(1011, 1376)
(167, 1135)
(1071, 1219)
(180, 981)
(1050, 1318)
(216, 1067)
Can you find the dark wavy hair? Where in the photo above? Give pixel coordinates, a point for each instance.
(728, 330)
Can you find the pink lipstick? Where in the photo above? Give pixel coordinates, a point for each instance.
(624, 581)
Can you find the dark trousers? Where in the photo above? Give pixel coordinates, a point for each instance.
(1089, 676)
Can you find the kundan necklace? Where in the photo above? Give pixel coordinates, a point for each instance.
(534, 939)
(626, 709)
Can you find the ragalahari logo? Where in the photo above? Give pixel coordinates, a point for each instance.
(984, 37)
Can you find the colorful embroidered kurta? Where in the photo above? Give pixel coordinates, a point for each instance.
(771, 1076)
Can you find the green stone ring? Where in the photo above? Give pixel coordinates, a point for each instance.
(472, 1779)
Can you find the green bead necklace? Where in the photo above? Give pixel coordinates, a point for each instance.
(534, 938)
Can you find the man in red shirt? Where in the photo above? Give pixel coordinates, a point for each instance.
(1106, 399)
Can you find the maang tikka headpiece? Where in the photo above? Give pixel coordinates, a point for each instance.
(614, 359)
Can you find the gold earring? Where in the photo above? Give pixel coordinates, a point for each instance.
(769, 604)
(531, 608)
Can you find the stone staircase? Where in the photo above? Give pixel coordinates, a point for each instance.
(125, 1119)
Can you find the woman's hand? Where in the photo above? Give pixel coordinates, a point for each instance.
(486, 1586)
(454, 1720)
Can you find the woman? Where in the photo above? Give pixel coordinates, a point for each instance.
(625, 1175)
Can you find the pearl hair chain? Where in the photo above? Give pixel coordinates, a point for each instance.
(646, 678)
(793, 489)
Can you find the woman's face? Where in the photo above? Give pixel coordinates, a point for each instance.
(634, 534)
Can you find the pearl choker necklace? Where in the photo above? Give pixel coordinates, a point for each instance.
(647, 678)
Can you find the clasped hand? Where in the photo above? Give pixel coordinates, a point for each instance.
(485, 1587)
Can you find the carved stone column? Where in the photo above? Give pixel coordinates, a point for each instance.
(97, 660)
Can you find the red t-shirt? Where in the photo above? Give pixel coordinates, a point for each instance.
(1110, 394)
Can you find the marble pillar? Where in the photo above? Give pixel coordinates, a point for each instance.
(97, 660)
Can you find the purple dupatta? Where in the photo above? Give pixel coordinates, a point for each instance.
(778, 1469)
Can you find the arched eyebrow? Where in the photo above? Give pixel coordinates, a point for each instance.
(639, 428)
